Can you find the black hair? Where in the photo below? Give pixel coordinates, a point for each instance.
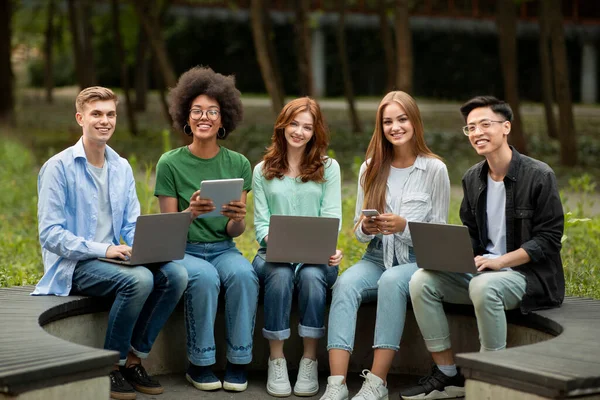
(497, 106)
(203, 80)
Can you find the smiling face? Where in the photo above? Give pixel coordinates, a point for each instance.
(299, 131)
(204, 126)
(493, 136)
(397, 128)
(98, 120)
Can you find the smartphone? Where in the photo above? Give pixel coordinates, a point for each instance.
(370, 213)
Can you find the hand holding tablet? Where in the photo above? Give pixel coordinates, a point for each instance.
(221, 192)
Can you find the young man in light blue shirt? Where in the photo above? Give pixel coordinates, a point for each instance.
(86, 203)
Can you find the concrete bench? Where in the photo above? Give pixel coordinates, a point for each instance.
(54, 343)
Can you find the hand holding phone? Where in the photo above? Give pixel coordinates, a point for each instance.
(370, 213)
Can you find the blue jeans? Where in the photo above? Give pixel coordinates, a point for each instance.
(490, 293)
(144, 300)
(209, 266)
(279, 281)
(367, 281)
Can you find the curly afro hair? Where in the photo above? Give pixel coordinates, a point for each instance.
(203, 80)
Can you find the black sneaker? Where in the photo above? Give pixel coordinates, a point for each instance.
(137, 376)
(119, 388)
(436, 386)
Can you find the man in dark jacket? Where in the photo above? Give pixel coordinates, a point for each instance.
(515, 218)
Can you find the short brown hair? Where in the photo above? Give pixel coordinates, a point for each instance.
(94, 93)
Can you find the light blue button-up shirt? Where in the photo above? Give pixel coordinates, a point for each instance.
(68, 213)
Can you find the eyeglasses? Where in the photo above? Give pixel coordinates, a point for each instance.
(196, 114)
(483, 125)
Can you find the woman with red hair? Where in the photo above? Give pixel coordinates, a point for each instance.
(296, 178)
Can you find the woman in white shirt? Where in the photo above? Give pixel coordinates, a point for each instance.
(404, 181)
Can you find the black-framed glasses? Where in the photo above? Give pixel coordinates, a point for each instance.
(196, 114)
(483, 125)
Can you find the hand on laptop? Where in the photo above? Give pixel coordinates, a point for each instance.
(336, 259)
(121, 251)
(200, 206)
(235, 210)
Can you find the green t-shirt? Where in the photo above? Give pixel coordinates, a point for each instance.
(179, 173)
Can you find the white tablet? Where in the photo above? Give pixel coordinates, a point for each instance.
(221, 192)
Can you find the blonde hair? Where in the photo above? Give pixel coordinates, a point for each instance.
(381, 151)
(94, 93)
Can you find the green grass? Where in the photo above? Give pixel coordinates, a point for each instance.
(20, 259)
(52, 128)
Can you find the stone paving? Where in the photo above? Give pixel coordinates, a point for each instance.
(177, 388)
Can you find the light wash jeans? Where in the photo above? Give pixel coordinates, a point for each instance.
(209, 266)
(144, 300)
(279, 281)
(490, 293)
(367, 281)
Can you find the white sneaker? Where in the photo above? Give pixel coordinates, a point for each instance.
(373, 388)
(278, 383)
(336, 390)
(307, 383)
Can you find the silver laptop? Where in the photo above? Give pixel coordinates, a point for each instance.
(308, 240)
(158, 238)
(442, 247)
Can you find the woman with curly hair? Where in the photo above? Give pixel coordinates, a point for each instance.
(295, 163)
(404, 181)
(207, 106)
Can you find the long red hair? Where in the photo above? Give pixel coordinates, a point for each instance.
(381, 151)
(311, 166)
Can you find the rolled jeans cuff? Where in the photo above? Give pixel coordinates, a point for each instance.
(140, 354)
(386, 347)
(310, 332)
(339, 347)
(203, 362)
(437, 345)
(122, 362)
(276, 335)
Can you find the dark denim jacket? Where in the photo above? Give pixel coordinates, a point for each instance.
(534, 222)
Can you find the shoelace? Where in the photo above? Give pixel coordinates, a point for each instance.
(278, 369)
(306, 370)
(367, 387)
(117, 378)
(331, 392)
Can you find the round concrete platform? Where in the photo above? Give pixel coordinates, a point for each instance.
(177, 388)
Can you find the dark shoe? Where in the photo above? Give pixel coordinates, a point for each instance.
(436, 386)
(236, 378)
(202, 378)
(119, 388)
(137, 376)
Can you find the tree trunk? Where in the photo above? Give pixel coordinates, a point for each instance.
(404, 73)
(506, 21)
(141, 71)
(84, 68)
(345, 65)
(48, 52)
(566, 133)
(88, 49)
(388, 45)
(546, 70)
(270, 35)
(7, 99)
(123, 66)
(262, 54)
(152, 27)
(303, 44)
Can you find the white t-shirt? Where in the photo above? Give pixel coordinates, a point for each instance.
(104, 229)
(396, 182)
(496, 219)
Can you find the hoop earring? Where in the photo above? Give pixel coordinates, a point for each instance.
(221, 135)
(187, 130)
